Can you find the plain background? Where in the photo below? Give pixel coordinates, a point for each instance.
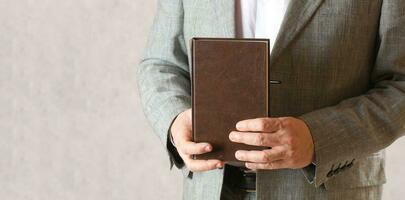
(70, 119)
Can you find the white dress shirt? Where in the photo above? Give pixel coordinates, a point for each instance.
(260, 18)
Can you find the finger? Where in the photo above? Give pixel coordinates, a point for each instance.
(264, 156)
(256, 139)
(204, 165)
(191, 148)
(259, 124)
(279, 164)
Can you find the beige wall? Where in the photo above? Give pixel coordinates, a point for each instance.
(71, 126)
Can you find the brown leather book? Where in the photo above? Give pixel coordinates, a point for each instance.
(230, 82)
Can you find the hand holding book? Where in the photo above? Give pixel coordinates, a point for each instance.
(182, 140)
(289, 138)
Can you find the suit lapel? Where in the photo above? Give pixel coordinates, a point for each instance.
(298, 14)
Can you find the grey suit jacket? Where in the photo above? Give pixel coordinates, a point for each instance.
(342, 64)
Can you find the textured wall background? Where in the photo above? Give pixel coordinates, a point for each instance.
(70, 121)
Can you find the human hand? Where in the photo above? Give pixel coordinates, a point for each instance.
(182, 137)
(289, 138)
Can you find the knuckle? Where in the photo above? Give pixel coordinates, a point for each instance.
(192, 150)
(282, 154)
(285, 121)
(200, 149)
(261, 124)
(207, 166)
(260, 139)
(277, 137)
(277, 122)
(270, 165)
(266, 157)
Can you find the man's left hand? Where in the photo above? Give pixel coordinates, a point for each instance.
(289, 138)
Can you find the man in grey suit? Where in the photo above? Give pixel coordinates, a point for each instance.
(342, 101)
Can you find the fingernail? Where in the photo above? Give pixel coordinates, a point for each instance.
(220, 165)
(232, 136)
(208, 148)
(239, 125)
(237, 154)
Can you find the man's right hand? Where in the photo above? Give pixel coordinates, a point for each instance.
(181, 131)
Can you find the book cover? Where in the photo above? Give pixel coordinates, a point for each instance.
(230, 82)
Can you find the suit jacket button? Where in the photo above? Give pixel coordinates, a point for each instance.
(338, 169)
(330, 174)
(351, 163)
(344, 167)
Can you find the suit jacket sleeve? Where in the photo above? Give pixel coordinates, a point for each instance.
(163, 73)
(365, 124)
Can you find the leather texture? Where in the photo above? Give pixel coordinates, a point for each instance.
(230, 82)
(342, 67)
